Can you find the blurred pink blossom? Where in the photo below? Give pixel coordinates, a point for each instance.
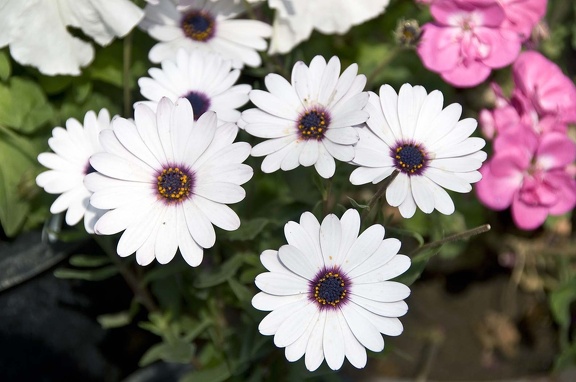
(545, 86)
(467, 40)
(529, 172)
(509, 113)
(523, 15)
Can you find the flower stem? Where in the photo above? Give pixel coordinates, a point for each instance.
(379, 193)
(385, 61)
(126, 74)
(457, 236)
(326, 196)
(141, 293)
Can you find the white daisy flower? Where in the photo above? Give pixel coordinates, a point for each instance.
(205, 24)
(166, 180)
(427, 145)
(69, 164)
(310, 120)
(328, 290)
(204, 78)
(296, 19)
(37, 31)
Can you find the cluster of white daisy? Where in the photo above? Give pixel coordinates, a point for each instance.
(166, 177)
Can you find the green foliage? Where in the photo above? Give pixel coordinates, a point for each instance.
(25, 107)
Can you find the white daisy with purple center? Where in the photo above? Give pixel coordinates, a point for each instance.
(427, 145)
(208, 25)
(329, 291)
(310, 120)
(70, 163)
(166, 180)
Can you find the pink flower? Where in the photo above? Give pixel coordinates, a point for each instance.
(544, 84)
(523, 15)
(518, 110)
(530, 173)
(467, 40)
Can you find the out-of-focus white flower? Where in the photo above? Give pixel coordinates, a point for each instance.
(205, 24)
(36, 30)
(310, 120)
(69, 164)
(204, 78)
(295, 19)
(166, 180)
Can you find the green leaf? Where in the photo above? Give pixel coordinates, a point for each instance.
(15, 169)
(177, 351)
(566, 358)
(221, 274)
(419, 262)
(240, 290)
(89, 275)
(355, 204)
(115, 320)
(248, 230)
(5, 67)
(215, 374)
(24, 105)
(88, 261)
(560, 300)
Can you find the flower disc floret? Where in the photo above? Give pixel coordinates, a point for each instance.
(329, 288)
(198, 25)
(175, 184)
(313, 123)
(410, 158)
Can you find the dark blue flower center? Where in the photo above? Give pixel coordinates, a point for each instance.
(330, 289)
(410, 158)
(313, 124)
(174, 184)
(200, 103)
(198, 25)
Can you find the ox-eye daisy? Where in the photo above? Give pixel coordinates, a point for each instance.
(309, 121)
(69, 164)
(207, 25)
(204, 78)
(427, 145)
(328, 290)
(166, 179)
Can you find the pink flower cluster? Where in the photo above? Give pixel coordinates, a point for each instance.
(469, 38)
(532, 169)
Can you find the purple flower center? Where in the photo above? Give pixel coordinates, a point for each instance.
(200, 103)
(329, 288)
(175, 184)
(313, 123)
(410, 158)
(198, 25)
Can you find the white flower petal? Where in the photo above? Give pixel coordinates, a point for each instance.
(281, 284)
(383, 291)
(330, 233)
(295, 325)
(314, 349)
(333, 343)
(299, 238)
(364, 331)
(167, 236)
(398, 190)
(199, 225)
(297, 262)
(364, 246)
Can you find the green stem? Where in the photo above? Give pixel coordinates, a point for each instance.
(379, 193)
(383, 64)
(456, 237)
(126, 74)
(326, 196)
(141, 293)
